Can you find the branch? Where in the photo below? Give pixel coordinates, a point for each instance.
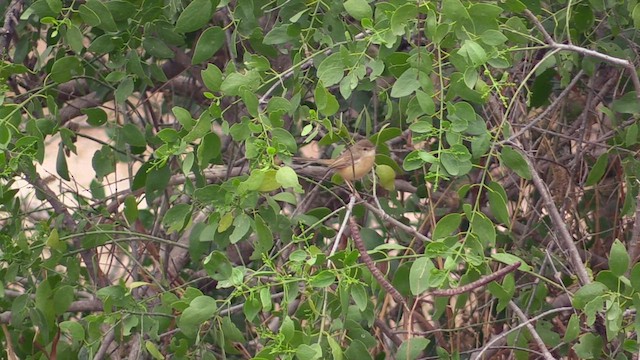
(627, 64)
(561, 228)
(484, 349)
(476, 284)
(11, 17)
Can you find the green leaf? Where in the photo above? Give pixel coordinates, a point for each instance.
(241, 225)
(446, 226)
(484, 228)
(124, 90)
(218, 266)
(473, 52)
(456, 160)
(97, 8)
(209, 43)
(358, 9)
(278, 35)
(359, 295)
(264, 242)
(61, 164)
(310, 352)
(209, 149)
(598, 170)
(65, 68)
(176, 217)
(322, 279)
(510, 259)
(498, 202)
(589, 346)
(387, 176)
(288, 178)
(201, 309)
(635, 15)
(331, 70)
(251, 308)
(133, 136)
(454, 10)
(153, 350)
(88, 15)
(74, 330)
(74, 37)
(627, 104)
(493, 37)
(202, 127)
(618, 258)
(103, 162)
(212, 77)
(573, 329)
(157, 48)
(587, 293)
(236, 83)
(131, 209)
(401, 18)
(515, 161)
(411, 349)
(419, 275)
(195, 16)
(407, 83)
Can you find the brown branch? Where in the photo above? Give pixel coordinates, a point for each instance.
(34, 179)
(395, 294)
(627, 64)
(8, 31)
(476, 284)
(561, 228)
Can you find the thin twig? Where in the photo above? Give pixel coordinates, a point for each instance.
(627, 64)
(532, 330)
(504, 334)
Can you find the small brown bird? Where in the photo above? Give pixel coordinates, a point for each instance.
(354, 162)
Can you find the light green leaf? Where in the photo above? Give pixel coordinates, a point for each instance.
(201, 309)
(331, 70)
(406, 84)
(359, 9)
(618, 258)
(288, 178)
(419, 275)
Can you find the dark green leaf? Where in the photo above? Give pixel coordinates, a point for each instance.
(156, 47)
(514, 161)
(61, 164)
(65, 68)
(587, 293)
(133, 136)
(209, 43)
(176, 217)
(195, 15)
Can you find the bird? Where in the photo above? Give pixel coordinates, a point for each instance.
(352, 164)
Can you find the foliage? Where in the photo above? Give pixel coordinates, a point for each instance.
(506, 134)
